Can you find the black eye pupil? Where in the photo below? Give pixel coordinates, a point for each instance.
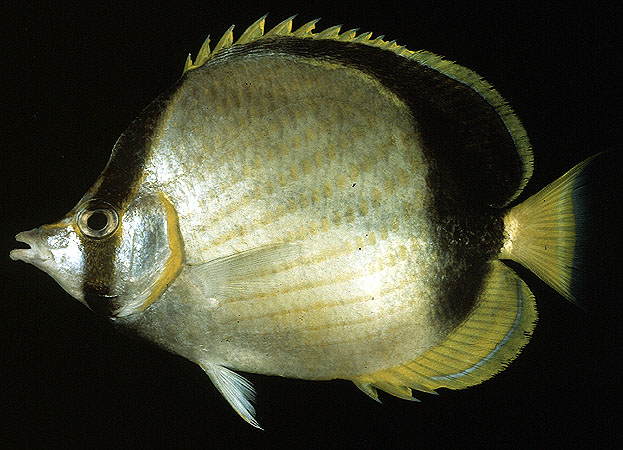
(97, 221)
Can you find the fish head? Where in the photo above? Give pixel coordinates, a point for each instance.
(117, 260)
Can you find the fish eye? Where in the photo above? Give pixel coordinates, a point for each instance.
(98, 220)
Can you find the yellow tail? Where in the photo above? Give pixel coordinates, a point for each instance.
(544, 231)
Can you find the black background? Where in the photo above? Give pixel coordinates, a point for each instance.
(77, 76)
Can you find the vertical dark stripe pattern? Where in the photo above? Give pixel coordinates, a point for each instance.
(119, 182)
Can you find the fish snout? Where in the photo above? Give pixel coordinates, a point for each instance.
(38, 251)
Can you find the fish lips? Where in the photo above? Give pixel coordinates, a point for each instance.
(38, 254)
(63, 264)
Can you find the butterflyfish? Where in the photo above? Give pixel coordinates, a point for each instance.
(320, 205)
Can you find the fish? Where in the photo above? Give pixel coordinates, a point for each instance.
(320, 205)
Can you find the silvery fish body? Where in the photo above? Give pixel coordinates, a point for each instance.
(319, 206)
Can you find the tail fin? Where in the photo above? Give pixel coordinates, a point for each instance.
(545, 232)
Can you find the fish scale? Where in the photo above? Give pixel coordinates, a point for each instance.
(235, 211)
(231, 200)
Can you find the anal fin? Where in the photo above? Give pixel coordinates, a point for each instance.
(483, 345)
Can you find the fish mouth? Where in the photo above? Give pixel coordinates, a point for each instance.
(37, 254)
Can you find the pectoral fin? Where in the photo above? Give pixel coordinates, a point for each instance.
(236, 389)
(490, 338)
(245, 273)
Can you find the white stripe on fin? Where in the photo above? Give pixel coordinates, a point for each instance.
(497, 347)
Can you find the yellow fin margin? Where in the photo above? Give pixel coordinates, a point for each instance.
(490, 338)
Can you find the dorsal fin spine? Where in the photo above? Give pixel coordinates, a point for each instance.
(225, 41)
(188, 64)
(282, 28)
(363, 37)
(330, 33)
(254, 32)
(204, 53)
(348, 36)
(305, 30)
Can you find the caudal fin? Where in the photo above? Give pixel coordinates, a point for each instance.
(545, 233)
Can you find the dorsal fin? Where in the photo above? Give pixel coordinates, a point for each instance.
(255, 32)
